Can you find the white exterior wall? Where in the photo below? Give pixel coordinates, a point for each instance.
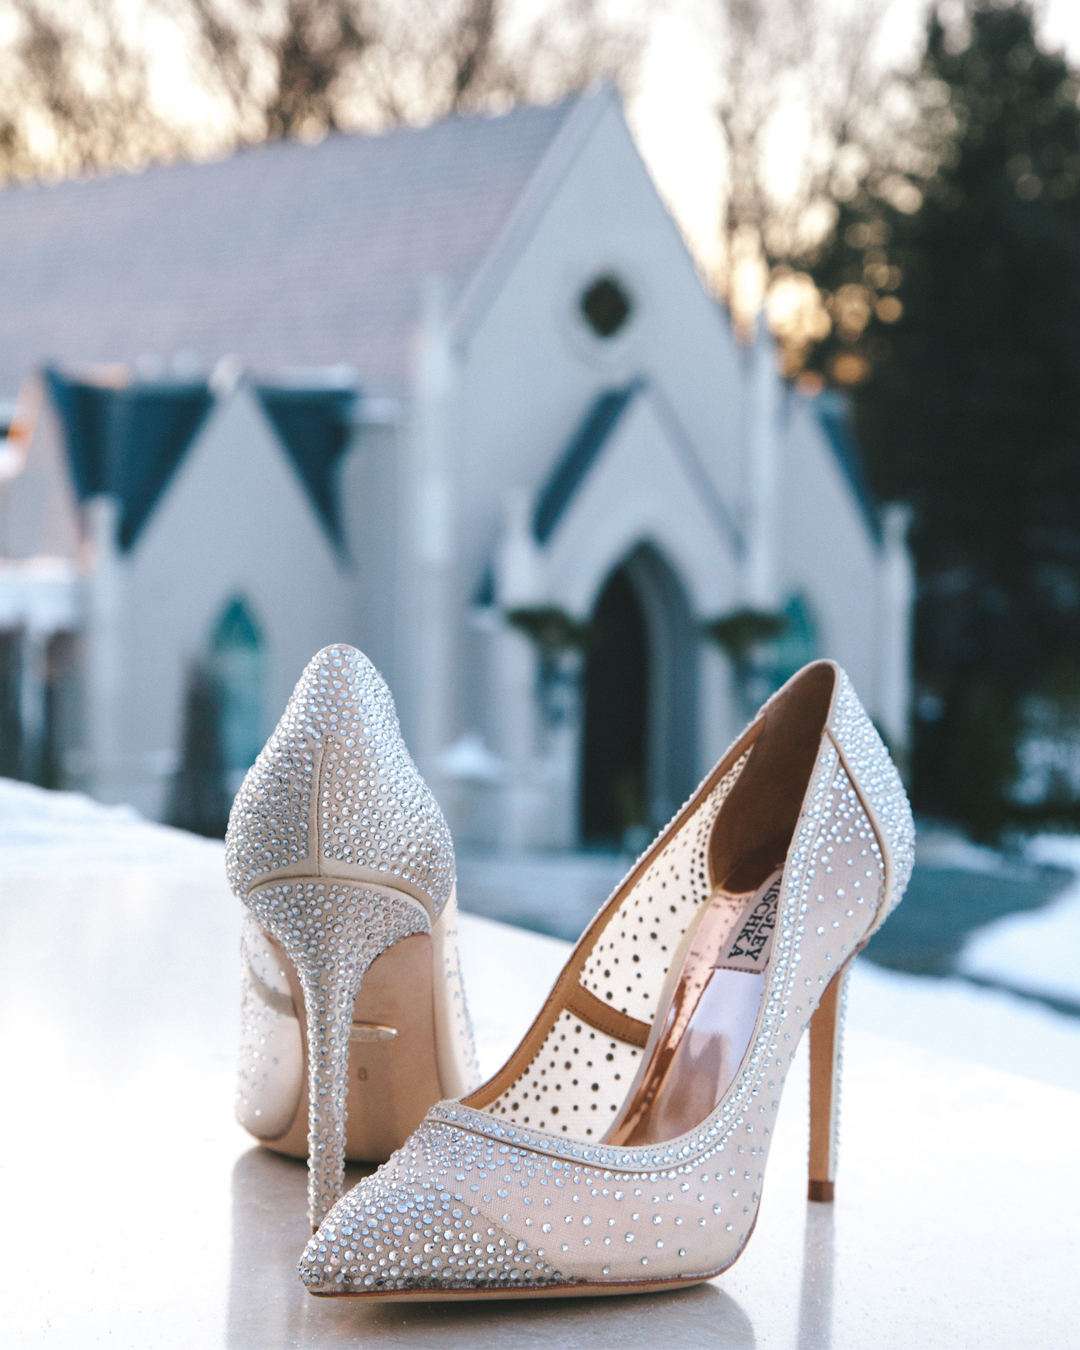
(638, 493)
(371, 500)
(39, 515)
(531, 368)
(827, 552)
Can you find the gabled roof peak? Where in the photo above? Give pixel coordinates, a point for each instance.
(834, 414)
(601, 420)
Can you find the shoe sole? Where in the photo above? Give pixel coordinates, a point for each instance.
(582, 1290)
(392, 1082)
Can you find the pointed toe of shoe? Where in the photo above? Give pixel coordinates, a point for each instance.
(319, 1268)
(404, 1230)
(377, 1239)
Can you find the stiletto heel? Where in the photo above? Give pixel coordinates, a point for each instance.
(351, 986)
(826, 1063)
(331, 934)
(623, 1146)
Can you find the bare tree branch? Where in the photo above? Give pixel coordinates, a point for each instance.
(225, 63)
(798, 84)
(285, 66)
(476, 32)
(75, 78)
(75, 93)
(320, 42)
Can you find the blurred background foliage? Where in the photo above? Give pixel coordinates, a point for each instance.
(921, 251)
(964, 362)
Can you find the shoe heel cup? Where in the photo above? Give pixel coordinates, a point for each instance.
(826, 1035)
(332, 932)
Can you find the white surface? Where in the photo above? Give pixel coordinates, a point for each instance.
(986, 1026)
(66, 831)
(137, 1214)
(1038, 950)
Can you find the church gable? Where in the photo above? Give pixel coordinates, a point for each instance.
(631, 476)
(237, 523)
(823, 476)
(127, 442)
(598, 292)
(315, 426)
(586, 445)
(238, 484)
(829, 542)
(833, 414)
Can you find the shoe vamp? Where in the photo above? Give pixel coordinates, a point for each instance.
(599, 1224)
(475, 1206)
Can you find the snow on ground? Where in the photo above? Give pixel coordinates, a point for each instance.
(48, 832)
(1039, 950)
(952, 1017)
(67, 831)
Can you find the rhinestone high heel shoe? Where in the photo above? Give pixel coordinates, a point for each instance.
(353, 1014)
(623, 1146)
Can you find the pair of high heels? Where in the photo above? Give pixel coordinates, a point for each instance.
(623, 1146)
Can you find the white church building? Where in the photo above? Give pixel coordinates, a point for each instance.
(457, 396)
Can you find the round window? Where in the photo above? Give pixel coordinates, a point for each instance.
(606, 306)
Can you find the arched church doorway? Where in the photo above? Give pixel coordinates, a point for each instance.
(614, 777)
(639, 732)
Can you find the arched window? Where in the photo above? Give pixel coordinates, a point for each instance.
(237, 666)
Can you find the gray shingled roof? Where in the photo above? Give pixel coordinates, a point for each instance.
(287, 254)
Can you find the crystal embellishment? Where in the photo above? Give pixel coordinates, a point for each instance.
(475, 1201)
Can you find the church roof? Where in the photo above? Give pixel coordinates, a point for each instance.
(128, 442)
(285, 254)
(579, 456)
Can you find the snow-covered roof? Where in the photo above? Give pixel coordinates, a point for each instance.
(129, 441)
(285, 255)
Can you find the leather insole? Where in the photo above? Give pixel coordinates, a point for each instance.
(707, 1026)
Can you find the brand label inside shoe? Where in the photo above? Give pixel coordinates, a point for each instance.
(750, 947)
